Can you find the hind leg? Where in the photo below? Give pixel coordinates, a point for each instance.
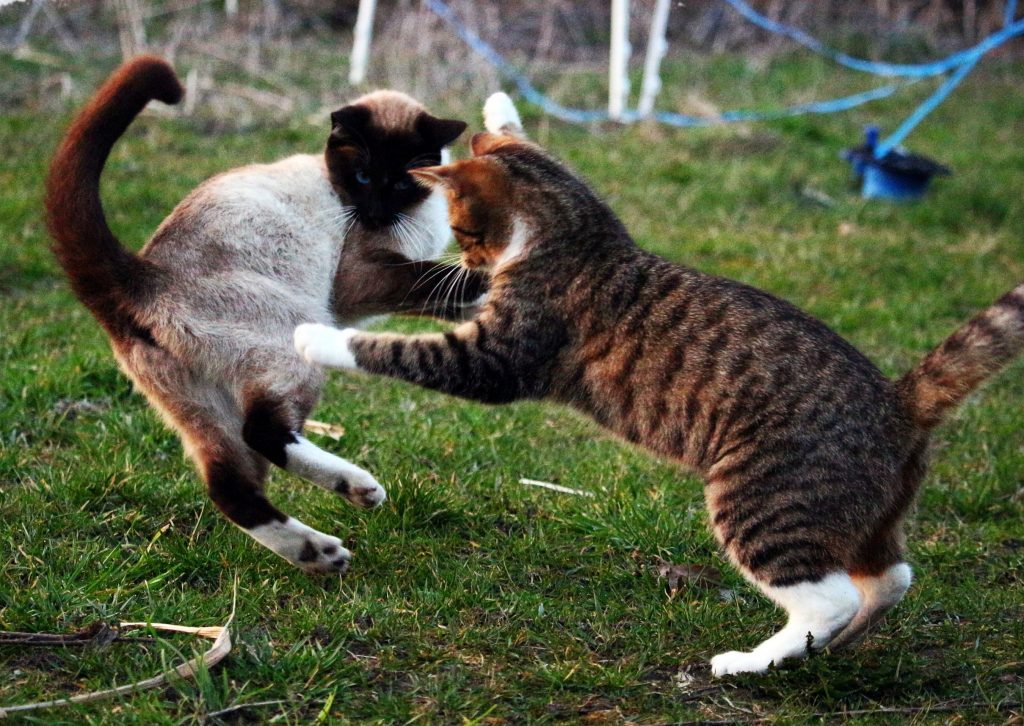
(209, 422)
(272, 427)
(776, 534)
(817, 610)
(879, 594)
(235, 485)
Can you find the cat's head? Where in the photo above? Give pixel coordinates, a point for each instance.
(374, 143)
(488, 198)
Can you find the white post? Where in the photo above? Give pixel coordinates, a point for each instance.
(618, 65)
(231, 8)
(656, 48)
(361, 43)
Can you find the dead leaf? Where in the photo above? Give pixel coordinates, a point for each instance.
(333, 431)
(677, 576)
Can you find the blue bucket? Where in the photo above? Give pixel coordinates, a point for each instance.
(898, 175)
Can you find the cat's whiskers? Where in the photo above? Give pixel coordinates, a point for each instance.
(431, 276)
(454, 286)
(342, 218)
(414, 162)
(418, 235)
(448, 272)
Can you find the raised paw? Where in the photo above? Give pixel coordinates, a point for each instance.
(726, 664)
(360, 488)
(326, 346)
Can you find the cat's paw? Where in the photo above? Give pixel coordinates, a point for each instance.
(303, 546)
(322, 554)
(727, 664)
(326, 346)
(360, 488)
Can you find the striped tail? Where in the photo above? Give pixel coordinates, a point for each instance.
(978, 350)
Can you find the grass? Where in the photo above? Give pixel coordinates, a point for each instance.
(474, 599)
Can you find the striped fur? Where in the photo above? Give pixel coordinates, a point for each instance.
(201, 318)
(811, 456)
(965, 359)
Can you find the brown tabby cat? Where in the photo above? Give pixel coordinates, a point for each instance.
(810, 454)
(202, 318)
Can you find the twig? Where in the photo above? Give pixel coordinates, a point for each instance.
(242, 707)
(104, 635)
(555, 487)
(221, 637)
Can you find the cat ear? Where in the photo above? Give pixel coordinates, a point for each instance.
(434, 176)
(347, 124)
(485, 142)
(440, 131)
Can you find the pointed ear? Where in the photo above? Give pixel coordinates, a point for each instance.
(485, 142)
(440, 131)
(347, 124)
(434, 176)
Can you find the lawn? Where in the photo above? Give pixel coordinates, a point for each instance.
(473, 598)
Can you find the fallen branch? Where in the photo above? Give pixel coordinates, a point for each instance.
(96, 634)
(220, 635)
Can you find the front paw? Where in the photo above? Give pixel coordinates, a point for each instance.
(326, 346)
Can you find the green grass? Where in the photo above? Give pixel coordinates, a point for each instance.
(472, 598)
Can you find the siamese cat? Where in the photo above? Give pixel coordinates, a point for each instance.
(201, 319)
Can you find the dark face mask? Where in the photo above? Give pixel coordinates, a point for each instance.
(370, 166)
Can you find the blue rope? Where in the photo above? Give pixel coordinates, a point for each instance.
(926, 107)
(919, 70)
(958, 64)
(578, 115)
(830, 106)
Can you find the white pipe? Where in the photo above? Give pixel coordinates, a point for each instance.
(618, 62)
(656, 48)
(361, 42)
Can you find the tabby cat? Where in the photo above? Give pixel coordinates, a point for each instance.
(811, 456)
(202, 318)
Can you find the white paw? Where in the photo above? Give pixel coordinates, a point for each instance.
(360, 488)
(725, 664)
(326, 346)
(303, 546)
(323, 553)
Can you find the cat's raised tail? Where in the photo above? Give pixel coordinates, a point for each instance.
(979, 349)
(501, 116)
(105, 276)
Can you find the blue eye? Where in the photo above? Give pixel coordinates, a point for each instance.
(362, 177)
(403, 184)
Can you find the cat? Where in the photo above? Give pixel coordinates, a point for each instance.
(201, 319)
(811, 456)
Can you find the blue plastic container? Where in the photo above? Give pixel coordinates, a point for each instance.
(898, 175)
